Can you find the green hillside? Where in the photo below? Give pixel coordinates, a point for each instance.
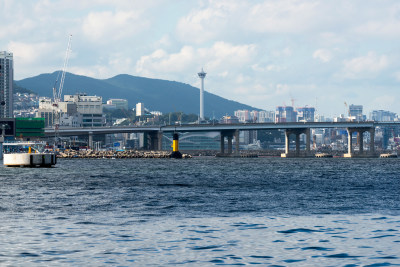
(160, 95)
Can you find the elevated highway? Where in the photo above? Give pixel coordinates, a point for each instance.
(72, 131)
(232, 130)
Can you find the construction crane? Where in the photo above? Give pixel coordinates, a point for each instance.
(58, 93)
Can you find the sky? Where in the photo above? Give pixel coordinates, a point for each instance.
(263, 53)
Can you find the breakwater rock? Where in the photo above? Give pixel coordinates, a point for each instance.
(128, 154)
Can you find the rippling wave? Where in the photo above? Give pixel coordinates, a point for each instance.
(268, 211)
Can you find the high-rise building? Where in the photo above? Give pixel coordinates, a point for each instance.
(266, 116)
(140, 109)
(305, 114)
(382, 115)
(6, 84)
(242, 115)
(256, 116)
(285, 114)
(356, 112)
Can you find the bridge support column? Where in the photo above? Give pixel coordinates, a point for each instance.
(361, 141)
(349, 143)
(287, 142)
(308, 141)
(230, 137)
(222, 144)
(159, 139)
(297, 152)
(90, 140)
(360, 136)
(372, 141)
(229, 134)
(237, 143)
(155, 140)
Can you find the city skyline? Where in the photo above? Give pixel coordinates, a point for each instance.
(262, 53)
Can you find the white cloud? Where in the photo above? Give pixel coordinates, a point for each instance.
(383, 21)
(384, 101)
(208, 22)
(370, 64)
(282, 89)
(28, 53)
(107, 25)
(285, 52)
(290, 16)
(268, 68)
(323, 55)
(218, 58)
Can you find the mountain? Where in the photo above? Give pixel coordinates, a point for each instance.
(21, 90)
(161, 95)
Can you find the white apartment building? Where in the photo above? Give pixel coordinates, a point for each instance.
(118, 103)
(140, 109)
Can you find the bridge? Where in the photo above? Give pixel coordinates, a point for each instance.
(230, 131)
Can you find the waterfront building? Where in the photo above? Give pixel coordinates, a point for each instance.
(382, 115)
(266, 116)
(6, 84)
(91, 108)
(118, 103)
(305, 114)
(248, 137)
(285, 114)
(194, 141)
(156, 113)
(77, 110)
(242, 115)
(140, 109)
(255, 116)
(356, 112)
(64, 110)
(229, 119)
(340, 118)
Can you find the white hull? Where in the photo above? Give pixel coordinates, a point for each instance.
(29, 160)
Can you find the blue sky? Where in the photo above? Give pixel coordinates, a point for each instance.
(261, 53)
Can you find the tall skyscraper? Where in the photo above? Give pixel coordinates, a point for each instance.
(6, 84)
(305, 114)
(356, 112)
(202, 75)
(285, 114)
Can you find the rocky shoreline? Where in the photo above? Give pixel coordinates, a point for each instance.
(128, 154)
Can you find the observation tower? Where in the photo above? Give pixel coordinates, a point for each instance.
(202, 75)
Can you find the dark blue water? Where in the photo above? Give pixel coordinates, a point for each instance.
(202, 211)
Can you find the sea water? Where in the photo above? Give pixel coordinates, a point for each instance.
(202, 212)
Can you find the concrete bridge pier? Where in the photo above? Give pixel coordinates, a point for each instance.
(297, 152)
(155, 140)
(351, 153)
(229, 135)
(90, 140)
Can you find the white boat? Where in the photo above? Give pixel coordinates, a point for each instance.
(27, 154)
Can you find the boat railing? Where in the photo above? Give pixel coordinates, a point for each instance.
(24, 147)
